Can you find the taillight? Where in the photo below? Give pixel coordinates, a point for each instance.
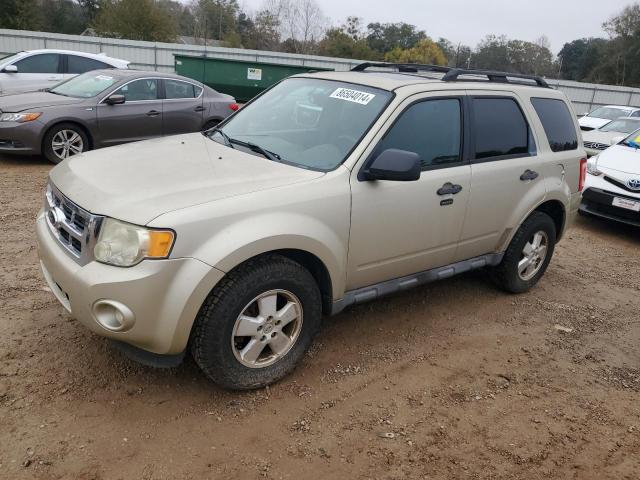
(583, 173)
(234, 106)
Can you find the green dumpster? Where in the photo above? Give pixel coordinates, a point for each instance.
(243, 80)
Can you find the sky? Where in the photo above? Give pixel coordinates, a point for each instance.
(471, 20)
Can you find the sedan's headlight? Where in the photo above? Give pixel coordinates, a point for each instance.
(592, 166)
(124, 245)
(20, 117)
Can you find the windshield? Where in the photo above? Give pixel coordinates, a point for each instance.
(307, 122)
(9, 58)
(609, 113)
(622, 126)
(632, 140)
(86, 85)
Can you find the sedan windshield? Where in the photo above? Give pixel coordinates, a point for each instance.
(609, 113)
(86, 85)
(306, 122)
(626, 125)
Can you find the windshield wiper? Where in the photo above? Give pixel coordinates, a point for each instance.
(274, 157)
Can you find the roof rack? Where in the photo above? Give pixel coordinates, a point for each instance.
(498, 77)
(402, 67)
(451, 74)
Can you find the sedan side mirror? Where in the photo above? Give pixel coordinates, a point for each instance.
(10, 69)
(115, 100)
(395, 165)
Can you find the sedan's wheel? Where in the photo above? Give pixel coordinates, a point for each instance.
(64, 141)
(257, 323)
(267, 328)
(528, 254)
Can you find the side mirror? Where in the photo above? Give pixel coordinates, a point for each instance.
(395, 165)
(10, 69)
(616, 140)
(115, 100)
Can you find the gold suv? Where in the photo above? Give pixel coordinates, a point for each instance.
(328, 190)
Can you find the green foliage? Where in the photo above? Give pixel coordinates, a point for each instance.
(338, 43)
(136, 20)
(425, 51)
(518, 56)
(384, 37)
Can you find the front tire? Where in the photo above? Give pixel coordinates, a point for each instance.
(528, 254)
(257, 323)
(63, 141)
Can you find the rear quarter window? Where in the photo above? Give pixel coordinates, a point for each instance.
(557, 123)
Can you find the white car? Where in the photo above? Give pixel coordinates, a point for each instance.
(603, 115)
(612, 186)
(38, 69)
(595, 141)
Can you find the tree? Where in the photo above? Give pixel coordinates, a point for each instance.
(135, 20)
(338, 43)
(425, 51)
(214, 18)
(62, 16)
(384, 37)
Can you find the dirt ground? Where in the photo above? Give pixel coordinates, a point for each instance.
(452, 380)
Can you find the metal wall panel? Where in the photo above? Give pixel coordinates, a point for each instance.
(159, 56)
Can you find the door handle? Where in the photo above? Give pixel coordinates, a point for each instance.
(449, 189)
(200, 109)
(528, 175)
(153, 113)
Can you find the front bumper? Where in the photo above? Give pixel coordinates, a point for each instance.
(596, 201)
(21, 138)
(163, 295)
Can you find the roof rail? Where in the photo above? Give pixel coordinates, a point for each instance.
(402, 67)
(498, 77)
(451, 74)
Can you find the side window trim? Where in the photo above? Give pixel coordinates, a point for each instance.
(464, 134)
(532, 145)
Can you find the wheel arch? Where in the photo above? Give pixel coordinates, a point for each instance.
(555, 209)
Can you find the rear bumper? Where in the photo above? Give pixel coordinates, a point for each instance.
(600, 203)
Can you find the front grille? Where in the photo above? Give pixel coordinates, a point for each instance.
(621, 185)
(586, 129)
(75, 228)
(596, 145)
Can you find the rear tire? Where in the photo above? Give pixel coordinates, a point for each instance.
(63, 141)
(270, 305)
(528, 254)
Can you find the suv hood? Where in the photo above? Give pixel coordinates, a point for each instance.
(33, 100)
(140, 181)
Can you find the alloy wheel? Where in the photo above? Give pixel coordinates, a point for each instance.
(533, 255)
(67, 143)
(267, 328)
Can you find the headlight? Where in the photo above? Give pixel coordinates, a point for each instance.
(20, 117)
(592, 166)
(124, 245)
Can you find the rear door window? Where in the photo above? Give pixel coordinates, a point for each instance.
(557, 122)
(500, 130)
(176, 89)
(76, 64)
(42, 63)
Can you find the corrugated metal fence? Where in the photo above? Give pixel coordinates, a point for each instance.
(159, 56)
